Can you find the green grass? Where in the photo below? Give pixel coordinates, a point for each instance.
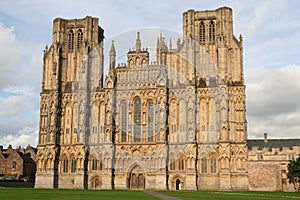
(32, 194)
(190, 195)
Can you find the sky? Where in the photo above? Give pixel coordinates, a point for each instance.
(271, 35)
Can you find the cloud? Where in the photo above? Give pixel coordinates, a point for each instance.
(9, 55)
(25, 136)
(273, 101)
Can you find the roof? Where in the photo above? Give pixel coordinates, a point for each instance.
(273, 143)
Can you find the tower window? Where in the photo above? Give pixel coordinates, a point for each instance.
(212, 33)
(137, 120)
(123, 120)
(71, 40)
(79, 38)
(202, 32)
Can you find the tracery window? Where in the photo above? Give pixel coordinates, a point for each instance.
(137, 120)
(202, 32)
(123, 121)
(71, 40)
(212, 32)
(150, 121)
(79, 38)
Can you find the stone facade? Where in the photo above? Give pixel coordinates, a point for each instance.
(18, 162)
(176, 124)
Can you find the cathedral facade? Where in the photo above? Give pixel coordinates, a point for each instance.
(175, 124)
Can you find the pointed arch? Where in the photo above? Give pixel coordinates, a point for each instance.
(137, 104)
(212, 32)
(202, 32)
(79, 38)
(150, 118)
(123, 121)
(71, 40)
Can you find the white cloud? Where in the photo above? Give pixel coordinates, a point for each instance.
(273, 101)
(9, 55)
(25, 136)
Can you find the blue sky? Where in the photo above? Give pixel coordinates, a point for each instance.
(271, 32)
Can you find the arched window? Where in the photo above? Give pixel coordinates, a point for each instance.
(172, 164)
(137, 119)
(123, 121)
(181, 164)
(65, 165)
(202, 32)
(204, 166)
(79, 38)
(213, 165)
(212, 32)
(14, 165)
(71, 40)
(150, 121)
(74, 165)
(94, 164)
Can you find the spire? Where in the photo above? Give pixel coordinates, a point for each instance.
(138, 42)
(170, 43)
(112, 49)
(112, 56)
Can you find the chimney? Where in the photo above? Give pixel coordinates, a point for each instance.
(266, 137)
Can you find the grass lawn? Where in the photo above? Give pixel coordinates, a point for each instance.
(26, 193)
(30, 193)
(190, 195)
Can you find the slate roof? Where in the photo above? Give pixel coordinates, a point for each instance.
(273, 143)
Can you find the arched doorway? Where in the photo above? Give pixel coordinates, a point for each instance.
(136, 179)
(177, 184)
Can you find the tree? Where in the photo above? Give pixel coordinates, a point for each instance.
(294, 173)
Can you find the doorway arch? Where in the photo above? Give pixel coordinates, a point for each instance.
(136, 179)
(178, 184)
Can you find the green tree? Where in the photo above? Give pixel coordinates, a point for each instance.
(294, 173)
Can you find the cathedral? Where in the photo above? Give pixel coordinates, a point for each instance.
(177, 123)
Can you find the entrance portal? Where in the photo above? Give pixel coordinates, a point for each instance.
(136, 179)
(177, 184)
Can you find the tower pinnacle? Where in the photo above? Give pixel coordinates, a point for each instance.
(138, 42)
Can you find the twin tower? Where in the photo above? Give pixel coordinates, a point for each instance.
(178, 124)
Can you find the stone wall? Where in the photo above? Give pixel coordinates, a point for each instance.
(264, 176)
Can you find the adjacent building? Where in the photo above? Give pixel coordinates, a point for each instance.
(18, 162)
